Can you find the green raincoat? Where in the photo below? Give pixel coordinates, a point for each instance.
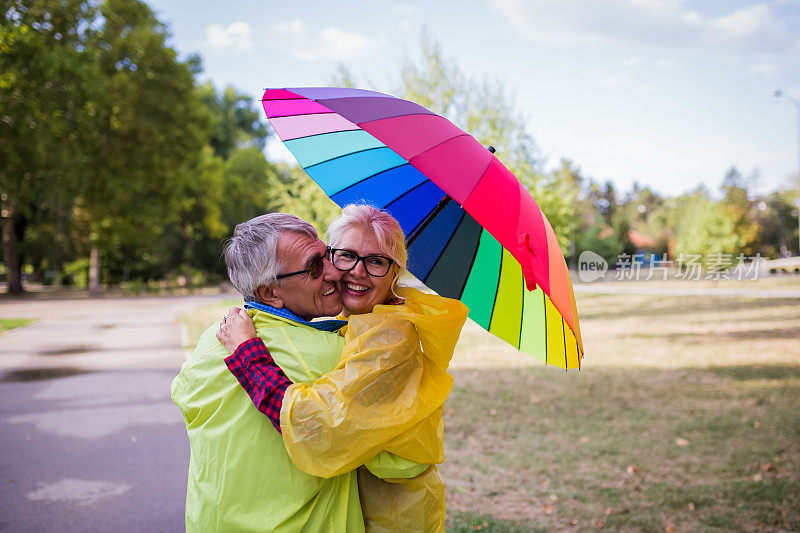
(240, 475)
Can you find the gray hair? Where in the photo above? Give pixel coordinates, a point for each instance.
(391, 240)
(251, 254)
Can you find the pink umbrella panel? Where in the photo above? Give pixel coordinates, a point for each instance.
(491, 247)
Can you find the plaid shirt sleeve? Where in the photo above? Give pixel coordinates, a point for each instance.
(257, 373)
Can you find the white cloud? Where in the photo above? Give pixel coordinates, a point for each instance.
(753, 28)
(645, 88)
(669, 63)
(763, 68)
(330, 43)
(617, 78)
(630, 62)
(406, 9)
(658, 23)
(235, 35)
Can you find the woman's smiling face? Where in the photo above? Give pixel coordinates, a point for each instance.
(359, 290)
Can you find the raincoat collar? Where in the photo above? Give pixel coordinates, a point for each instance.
(323, 325)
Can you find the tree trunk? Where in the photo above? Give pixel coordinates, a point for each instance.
(188, 254)
(94, 272)
(190, 242)
(10, 252)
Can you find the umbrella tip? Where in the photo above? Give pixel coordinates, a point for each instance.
(491, 148)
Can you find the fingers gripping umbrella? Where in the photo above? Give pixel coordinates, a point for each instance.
(491, 246)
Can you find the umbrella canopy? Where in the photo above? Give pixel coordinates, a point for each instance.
(492, 247)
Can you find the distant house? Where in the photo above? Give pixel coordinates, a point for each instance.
(643, 243)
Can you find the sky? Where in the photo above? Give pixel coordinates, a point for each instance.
(666, 93)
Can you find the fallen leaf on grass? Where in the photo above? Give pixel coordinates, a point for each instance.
(768, 467)
(584, 440)
(681, 442)
(670, 528)
(633, 469)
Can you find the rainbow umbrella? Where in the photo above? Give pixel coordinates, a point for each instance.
(491, 246)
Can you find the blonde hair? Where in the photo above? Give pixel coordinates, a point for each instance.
(390, 236)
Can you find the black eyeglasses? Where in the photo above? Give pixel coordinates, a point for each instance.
(314, 267)
(346, 260)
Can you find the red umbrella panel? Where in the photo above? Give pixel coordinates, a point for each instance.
(491, 247)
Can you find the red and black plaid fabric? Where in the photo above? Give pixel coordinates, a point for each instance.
(257, 373)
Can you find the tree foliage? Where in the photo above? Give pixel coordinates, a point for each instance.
(706, 228)
(47, 103)
(118, 165)
(108, 144)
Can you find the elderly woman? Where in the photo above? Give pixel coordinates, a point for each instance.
(381, 406)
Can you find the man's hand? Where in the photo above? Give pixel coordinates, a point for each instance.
(235, 328)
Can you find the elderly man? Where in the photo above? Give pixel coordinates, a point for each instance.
(240, 476)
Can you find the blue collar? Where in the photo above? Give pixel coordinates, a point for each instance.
(323, 325)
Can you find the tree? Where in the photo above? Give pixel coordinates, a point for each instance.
(151, 126)
(236, 124)
(736, 202)
(342, 77)
(607, 246)
(252, 186)
(226, 184)
(304, 198)
(47, 86)
(778, 223)
(706, 228)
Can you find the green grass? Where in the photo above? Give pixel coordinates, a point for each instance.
(7, 324)
(465, 522)
(685, 414)
(201, 318)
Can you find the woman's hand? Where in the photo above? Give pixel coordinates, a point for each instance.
(235, 328)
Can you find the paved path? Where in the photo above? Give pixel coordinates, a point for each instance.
(91, 440)
(620, 288)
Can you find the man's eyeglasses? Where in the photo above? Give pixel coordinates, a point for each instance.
(313, 267)
(346, 260)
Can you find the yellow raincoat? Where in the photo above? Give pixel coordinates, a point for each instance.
(240, 476)
(386, 393)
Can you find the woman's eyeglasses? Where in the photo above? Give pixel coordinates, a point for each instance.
(346, 260)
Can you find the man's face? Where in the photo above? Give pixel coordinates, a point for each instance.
(302, 294)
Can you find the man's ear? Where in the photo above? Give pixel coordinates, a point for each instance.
(268, 296)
